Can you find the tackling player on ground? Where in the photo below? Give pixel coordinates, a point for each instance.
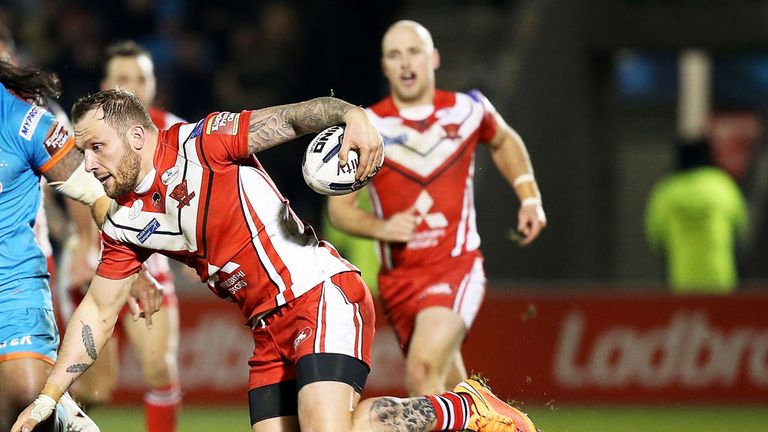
(432, 280)
(310, 313)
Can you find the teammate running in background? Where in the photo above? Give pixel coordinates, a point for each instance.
(432, 280)
(129, 66)
(310, 313)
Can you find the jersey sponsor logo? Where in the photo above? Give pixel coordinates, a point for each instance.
(303, 335)
(181, 194)
(225, 123)
(148, 230)
(31, 119)
(169, 175)
(435, 221)
(398, 139)
(234, 282)
(57, 138)
(442, 288)
(135, 210)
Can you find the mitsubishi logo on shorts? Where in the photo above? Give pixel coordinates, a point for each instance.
(303, 335)
(433, 220)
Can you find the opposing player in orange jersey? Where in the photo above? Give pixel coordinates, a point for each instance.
(310, 313)
(431, 279)
(130, 67)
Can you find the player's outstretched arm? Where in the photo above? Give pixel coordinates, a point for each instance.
(511, 158)
(89, 328)
(345, 215)
(276, 125)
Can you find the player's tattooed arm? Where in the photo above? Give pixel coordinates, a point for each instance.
(275, 125)
(391, 414)
(90, 348)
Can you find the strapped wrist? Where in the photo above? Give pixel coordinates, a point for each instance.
(523, 178)
(52, 391)
(530, 201)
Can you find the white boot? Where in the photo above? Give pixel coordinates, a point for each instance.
(73, 417)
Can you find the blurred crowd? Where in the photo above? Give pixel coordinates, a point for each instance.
(214, 56)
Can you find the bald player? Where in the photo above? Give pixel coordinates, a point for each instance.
(432, 280)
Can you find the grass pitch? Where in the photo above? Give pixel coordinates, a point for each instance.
(560, 419)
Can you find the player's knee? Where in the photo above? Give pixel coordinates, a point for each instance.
(157, 372)
(422, 377)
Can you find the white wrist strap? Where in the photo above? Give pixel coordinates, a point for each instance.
(523, 178)
(531, 201)
(81, 186)
(42, 408)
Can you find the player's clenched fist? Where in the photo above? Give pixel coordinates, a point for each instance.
(399, 227)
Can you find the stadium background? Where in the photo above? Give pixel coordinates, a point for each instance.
(579, 327)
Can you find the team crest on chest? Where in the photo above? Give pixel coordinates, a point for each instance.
(181, 194)
(452, 131)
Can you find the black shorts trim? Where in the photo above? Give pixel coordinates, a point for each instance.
(331, 367)
(275, 400)
(282, 399)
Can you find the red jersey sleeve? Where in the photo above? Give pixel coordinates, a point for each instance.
(489, 125)
(225, 136)
(119, 260)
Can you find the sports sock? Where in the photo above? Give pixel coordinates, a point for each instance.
(161, 408)
(452, 410)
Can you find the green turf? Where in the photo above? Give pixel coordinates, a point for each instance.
(652, 419)
(562, 419)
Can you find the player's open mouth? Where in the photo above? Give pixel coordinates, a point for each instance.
(103, 178)
(408, 78)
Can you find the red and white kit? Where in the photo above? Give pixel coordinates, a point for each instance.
(430, 165)
(208, 204)
(157, 265)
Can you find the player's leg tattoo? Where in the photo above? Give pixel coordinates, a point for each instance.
(402, 415)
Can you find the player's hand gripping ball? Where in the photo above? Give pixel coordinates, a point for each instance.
(321, 168)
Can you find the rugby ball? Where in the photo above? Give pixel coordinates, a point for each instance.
(321, 165)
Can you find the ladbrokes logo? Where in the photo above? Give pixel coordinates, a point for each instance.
(688, 352)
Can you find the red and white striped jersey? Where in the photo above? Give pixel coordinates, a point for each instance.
(209, 205)
(430, 165)
(157, 264)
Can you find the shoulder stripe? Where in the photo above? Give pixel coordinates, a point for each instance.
(65, 149)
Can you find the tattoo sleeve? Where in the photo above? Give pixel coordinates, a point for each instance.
(402, 415)
(272, 126)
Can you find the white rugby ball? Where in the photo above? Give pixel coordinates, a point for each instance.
(321, 165)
